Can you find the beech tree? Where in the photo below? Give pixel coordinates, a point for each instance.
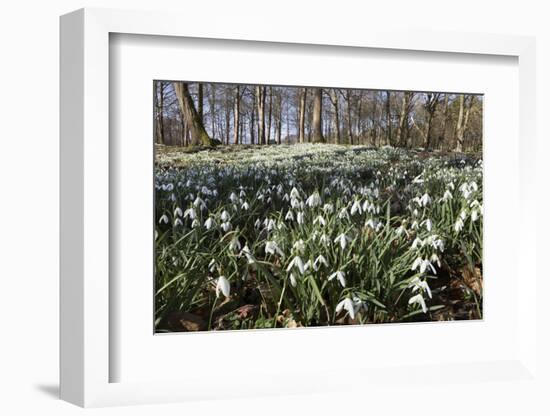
(199, 136)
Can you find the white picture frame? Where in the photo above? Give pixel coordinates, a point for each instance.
(85, 219)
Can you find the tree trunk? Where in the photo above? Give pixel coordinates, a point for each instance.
(252, 122)
(236, 110)
(269, 114)
(199, 136)
(336, 117)
(348, 106)
(402, 118)
(317, 130)
(303, 94)
(388, 117)
(441, 140)
(160, 113)
(459, 130)
(260, 100)
(200, 105)
(213, 108)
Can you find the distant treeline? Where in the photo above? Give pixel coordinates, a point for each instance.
(210, 113)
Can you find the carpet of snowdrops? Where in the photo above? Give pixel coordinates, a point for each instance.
(312, 235)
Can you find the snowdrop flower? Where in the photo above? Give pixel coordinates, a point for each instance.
(223, 287)
(257, 223)
(400, 230)
(247, 253)
(300, 217)
(289, 216)
(294, 193)
(271, 247)
(416, 243)
(328, 208)
(318, 261)
(314, 200)
(447, 196)
(233, 197)
(292, 279)
(350, 306)
(425, 200)
(324, 239)
(190, 213)
(298, 263)
(417, 284)
(196, 223)
(356, 208)
(420, 300)
(428, 224)
(178, 212)
(340, 275)
(199, 203)
(459, 224)
(343, 214)
(234, 244)
(474, 215)
(343, 240)
(299, 246)
(319, 220)
(415, 225)
(245, 206)
(435, 259)
(164, 219)
(226, 226)
(225, 216)
(209, 223)
(370, 223)
(178, 222)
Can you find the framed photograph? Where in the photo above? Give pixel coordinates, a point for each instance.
(292, 213)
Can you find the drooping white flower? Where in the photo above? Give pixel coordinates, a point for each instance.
(343, 214)
(225, 216)
(294, 193)
(289, 216)
(164, 219)
(235, 244)
(271, 247)
(420, 300)
(319, 220)
(190, 213)
(343, 240)
(245, 206)
(314, 200)
(178, 222)
(447, 196)
(474, 215)
(223, 287)
(425, 200)
(318, 261)
(356, 208)
(233, 197)
(351, 306)
(324, 239)
(299, 246)
(196, 223)
(298, 263)
(418, 284)
(226, 226)
(248, 254)
(292, 279)
(340, 275)
(300, 217)
(178, 212)
(199, 203)
(328, 208)
(428, 224)
(209, 223)
(459, 224)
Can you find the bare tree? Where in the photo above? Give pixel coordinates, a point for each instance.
(317, 128)
(303, 95)
(199, 136)
(260, 102)
(336, 116)
(236, 114)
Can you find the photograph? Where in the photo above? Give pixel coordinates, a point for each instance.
(312, 206)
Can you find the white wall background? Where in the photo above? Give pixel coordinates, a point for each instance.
(29, 182)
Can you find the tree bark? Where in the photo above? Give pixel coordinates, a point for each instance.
(236, 111)
(317, 128)
(199, 136)
(260, 101)
(459, 130)
(402, 118)
(336, 116)
(388, 118)
(160, 113)
(303, 94)
(200, 105)
(269, 115)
